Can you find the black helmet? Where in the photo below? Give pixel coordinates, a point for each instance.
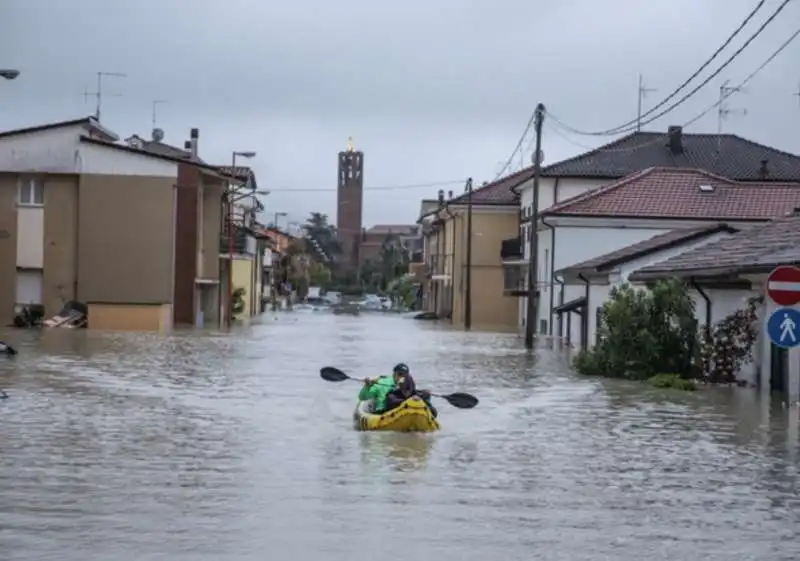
(401, 369)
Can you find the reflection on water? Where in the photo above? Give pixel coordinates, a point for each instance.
(216, 446)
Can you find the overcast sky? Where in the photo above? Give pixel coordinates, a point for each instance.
(430, 91)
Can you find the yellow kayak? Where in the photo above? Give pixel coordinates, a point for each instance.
(412, 415)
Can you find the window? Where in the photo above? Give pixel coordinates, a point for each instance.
(31, 191)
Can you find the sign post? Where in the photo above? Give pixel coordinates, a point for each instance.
(783, 324)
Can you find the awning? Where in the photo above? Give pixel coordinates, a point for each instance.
(575, 305)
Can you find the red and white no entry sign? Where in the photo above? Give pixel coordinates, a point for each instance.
(783, 285)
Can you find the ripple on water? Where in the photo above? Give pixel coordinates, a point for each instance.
(229, 446)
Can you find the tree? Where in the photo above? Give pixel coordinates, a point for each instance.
(318, 228)
(644, 332)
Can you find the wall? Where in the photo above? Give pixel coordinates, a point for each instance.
(60, 241)
(8, 244)
(126, 239)
(243, 278)
(552, 190)
(48, 151)
(187, 204)
(211, 228)
(491, 309)
(131, 317)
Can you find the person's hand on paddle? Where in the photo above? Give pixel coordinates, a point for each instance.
(368, 381)
(425, 394)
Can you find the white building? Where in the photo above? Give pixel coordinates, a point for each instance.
(746, 258)
(574, 226)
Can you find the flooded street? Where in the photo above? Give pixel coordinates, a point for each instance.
(230, 447)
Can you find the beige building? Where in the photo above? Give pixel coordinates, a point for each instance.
(84, 218)
(452, 288)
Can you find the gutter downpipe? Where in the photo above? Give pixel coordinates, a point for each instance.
(585, 326)
(707, 329)
(552, 270)
(452, 255)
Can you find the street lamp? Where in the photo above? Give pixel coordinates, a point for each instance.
(231, 200)
(9, 73)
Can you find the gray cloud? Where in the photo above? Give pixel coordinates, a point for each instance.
(430, 91)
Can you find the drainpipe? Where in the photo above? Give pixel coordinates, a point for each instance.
(585, 326)
(452, 256)
(552, 270)
(701, 292)
(468, 283)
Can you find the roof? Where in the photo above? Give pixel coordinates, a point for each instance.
(495, 193)
(723, 154)
(643, 248)
(245, 174)
(682, 193)
(396, 229)
(90, 123)
(759, 248)
(146, 153)
(160, 148)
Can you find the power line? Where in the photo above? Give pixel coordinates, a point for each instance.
(727, 93)
(376, 188)
(517, 147)
(626, 127)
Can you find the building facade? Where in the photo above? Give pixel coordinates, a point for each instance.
(350, 204)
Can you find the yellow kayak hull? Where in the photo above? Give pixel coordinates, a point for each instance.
(412, 416)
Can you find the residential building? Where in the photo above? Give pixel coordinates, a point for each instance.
(372, 240)
(722, 155)
(200, 199)
(745, 259)
(244, 253)
(650, 207)
(446, 242)
(85, 218)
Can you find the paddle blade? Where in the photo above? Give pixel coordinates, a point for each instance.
(332, 374)
(461, 400)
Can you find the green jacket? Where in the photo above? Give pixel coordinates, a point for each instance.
(378, 392)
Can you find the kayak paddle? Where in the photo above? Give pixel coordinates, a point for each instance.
(458, 399)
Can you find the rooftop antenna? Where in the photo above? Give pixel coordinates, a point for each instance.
(156, 103)
(98, 95)
(725, 91)
(643, 91)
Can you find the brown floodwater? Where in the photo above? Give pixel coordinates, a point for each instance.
(204, 446)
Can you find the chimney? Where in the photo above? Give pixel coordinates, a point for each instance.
(194, 135)
(763, 171)
(675, 141)
(440, 196)
(450, 194)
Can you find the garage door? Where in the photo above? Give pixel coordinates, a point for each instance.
(29, 287)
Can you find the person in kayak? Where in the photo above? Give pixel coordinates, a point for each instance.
(401, 386)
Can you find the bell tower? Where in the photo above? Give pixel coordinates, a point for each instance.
(350, 201)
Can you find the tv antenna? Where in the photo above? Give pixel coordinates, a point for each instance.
(98, 95)
(156, 103)
(643, 91)
(725, 91)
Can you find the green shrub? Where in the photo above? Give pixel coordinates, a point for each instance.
(673, 382)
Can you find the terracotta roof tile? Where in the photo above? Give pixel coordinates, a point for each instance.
(724, 154)
(682, 193)
(757, 248)
(646, 247)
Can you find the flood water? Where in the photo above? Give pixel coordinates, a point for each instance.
(230, 447)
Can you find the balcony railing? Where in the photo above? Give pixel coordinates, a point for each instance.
(244, 243)
(511, 249)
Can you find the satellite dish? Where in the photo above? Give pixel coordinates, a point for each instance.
(158, 135)
(541, 157)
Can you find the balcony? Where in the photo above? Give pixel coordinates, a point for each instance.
(244, 243)
(511, 249)
(514, 280)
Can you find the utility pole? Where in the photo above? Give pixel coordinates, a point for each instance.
(98, 95)
(156, 103)
(725, 91)
(468, 279)
(643, 91)
(533, 237)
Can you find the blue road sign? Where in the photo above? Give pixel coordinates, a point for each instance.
(783, 327)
